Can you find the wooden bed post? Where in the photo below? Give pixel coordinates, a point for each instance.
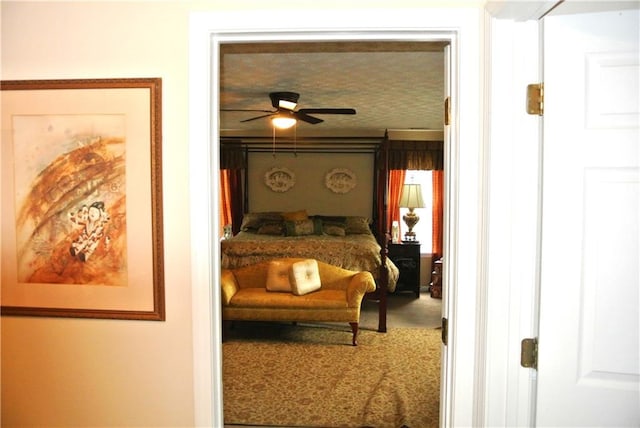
(382, 177)
(245, 193)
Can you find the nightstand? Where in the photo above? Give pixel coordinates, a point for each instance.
(436, 280)
(407, 258)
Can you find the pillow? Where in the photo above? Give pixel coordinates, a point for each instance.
(333, 229)
(317, 226)
(305, 277)
(299, 227)
(278, 276)
(251, 222)
(337, 220)
(295, 215)
(271, 229)
(357, 225)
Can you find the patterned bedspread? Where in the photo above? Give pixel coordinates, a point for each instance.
(359, 252)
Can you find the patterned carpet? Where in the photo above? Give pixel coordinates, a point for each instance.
(310, 376)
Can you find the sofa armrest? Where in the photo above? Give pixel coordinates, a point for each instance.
(229, 286)
(360, 284)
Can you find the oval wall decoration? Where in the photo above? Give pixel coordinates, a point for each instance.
(279, 179)
(340, 180)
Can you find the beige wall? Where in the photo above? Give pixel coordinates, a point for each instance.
(309, 191)
(73, 372)
(82, 372)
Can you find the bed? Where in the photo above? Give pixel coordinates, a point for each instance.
(343, 241)
(346, 242)
(317, 236)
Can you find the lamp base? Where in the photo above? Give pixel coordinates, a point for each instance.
(410, 219)
(411, 241)
(410, 238)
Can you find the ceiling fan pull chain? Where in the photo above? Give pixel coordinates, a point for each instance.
(274, 143)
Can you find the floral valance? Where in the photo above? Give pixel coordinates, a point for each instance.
(416, 155)
(232, 157)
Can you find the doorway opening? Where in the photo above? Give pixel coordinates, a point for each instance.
(249, 95)
(205, 212)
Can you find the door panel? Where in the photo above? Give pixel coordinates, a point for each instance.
(589, 362)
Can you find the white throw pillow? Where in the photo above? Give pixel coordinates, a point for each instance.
(278, 276)
(305, 277)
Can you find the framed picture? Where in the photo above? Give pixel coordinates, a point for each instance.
(82, 198)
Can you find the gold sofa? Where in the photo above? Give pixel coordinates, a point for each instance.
(245, 296)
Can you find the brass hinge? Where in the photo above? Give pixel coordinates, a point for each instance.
(529, 353)
(535, 99)
(447, 111)
(445, 331)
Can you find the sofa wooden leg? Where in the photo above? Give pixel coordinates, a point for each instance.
(354, 329)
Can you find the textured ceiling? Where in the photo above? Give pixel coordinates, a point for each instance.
(391, 85)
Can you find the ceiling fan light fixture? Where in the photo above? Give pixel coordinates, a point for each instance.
(287, 100)
(289, 105)
(283, 122)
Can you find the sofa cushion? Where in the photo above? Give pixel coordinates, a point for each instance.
(305, 277)
(260, 298)
(278, 276)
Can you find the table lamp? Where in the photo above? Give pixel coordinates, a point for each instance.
(411, 198)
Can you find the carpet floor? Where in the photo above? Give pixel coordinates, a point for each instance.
(404, 310)
(309, 375)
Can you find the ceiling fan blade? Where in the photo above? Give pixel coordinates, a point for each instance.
(240, 109)
(257, 117)
(328, 110)
(306, 118)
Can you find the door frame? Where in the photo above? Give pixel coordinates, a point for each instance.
(513, 209)
(462, 279)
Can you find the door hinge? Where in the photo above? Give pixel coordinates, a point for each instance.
(445, 331)
(535, 99)
(447, 111)
(529, 353)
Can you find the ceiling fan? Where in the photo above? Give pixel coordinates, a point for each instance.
(285, 104)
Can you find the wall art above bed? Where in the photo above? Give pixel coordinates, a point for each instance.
(340, 180)
(279, 179)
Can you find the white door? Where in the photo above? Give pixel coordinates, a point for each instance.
(589, 362)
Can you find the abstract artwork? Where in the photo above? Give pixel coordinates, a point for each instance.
(70, 199)
(82, 189)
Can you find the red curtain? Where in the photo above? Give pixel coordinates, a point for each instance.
(396, 181)
(231, 204)
(437, 212)
(225, 199)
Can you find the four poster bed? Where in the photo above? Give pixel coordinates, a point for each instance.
(350, 242)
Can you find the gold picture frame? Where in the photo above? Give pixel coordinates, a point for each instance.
(81, 213)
